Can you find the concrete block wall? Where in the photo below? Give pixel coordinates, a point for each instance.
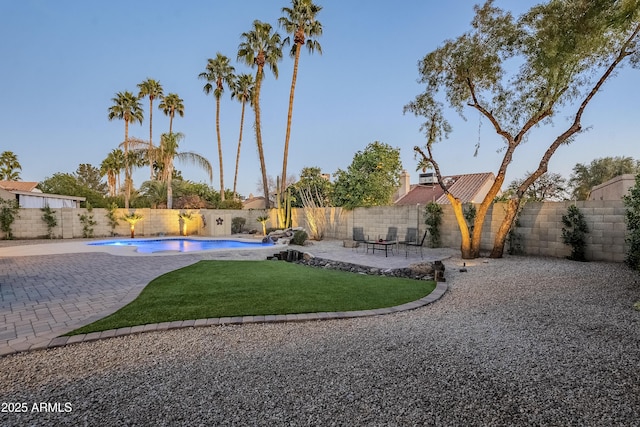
(540, 225)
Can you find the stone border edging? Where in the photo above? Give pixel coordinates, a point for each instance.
(440, 289)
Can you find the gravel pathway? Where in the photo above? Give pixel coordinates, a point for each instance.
(516, 341)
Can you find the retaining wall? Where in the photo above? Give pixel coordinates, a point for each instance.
(540, 225)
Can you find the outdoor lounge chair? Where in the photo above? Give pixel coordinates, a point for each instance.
(416, 245)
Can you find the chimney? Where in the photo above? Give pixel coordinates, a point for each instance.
(405, 183)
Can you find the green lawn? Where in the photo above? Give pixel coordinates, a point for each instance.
(238, 288)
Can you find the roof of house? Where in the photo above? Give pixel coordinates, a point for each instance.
(468, 188)
(18, 185)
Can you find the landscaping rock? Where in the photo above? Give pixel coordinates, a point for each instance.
(422, 271)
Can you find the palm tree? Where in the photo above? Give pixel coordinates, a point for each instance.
(152, 89)
(299, 20)
(242, 90)
(170, 105)
(9, 166)
(126, 107)
(218, 72)
(260, 47)
(167, 152)
(111, 167)
(155, 192)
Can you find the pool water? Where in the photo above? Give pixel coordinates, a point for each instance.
(181, 245)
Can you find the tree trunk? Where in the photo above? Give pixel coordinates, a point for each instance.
(235, 176)
(283, 184)
(150, 136)
(465, 246)
(256, 107)
(127, 170)
(505, 227)
(219, 148)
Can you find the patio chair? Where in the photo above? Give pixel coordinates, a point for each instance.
(358, 237)
(416, 245)
(411, 236)
(392, 234)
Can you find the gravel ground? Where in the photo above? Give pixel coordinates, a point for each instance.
(516, 341)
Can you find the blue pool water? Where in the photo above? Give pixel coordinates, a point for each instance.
(181, 245)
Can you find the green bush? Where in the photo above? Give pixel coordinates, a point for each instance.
(433, 220)
(8, 213)
(237, 224)
(49, 217)
(299, 237)
(632, 218)
(574, 233)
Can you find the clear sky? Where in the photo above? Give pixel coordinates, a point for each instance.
(63, 61)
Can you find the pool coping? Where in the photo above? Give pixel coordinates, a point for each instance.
(437, 293)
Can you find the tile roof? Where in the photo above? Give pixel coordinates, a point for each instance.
(468, 188)
(18, 185)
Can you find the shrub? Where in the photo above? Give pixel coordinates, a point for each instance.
(574, 233)
(87, 222)
(8, 213)
(299, 237)
(237, 224)
(632, 218)
(49, 217)
(433, 220)
(112, 217)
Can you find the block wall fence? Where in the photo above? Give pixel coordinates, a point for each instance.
(540, 225)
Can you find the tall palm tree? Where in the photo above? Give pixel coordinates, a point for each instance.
(170, 105)
(151, 89)
(299, 20)
(242, 90)
(167, 152)
(259, 47)
(111, 167)
(9, 166)
(126, 106)
(218, 73)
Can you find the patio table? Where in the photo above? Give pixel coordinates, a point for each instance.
(381, 245)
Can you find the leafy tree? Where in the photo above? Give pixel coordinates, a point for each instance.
(170, 105)
(259, 47)
(90, 177)
(371, 179)
(299, 20)
(126, 106)
(218, 73)
(9, 166)
(318, 186)
(68, 184)
(567, 51)
(151, 89)
(242, 90)
(548, 187)
(585, 177)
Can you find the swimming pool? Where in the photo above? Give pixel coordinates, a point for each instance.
(181, 244)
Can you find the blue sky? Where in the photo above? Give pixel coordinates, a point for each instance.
(64, 61)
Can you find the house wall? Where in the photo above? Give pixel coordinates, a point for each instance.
(540, 225)
(613, 189)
